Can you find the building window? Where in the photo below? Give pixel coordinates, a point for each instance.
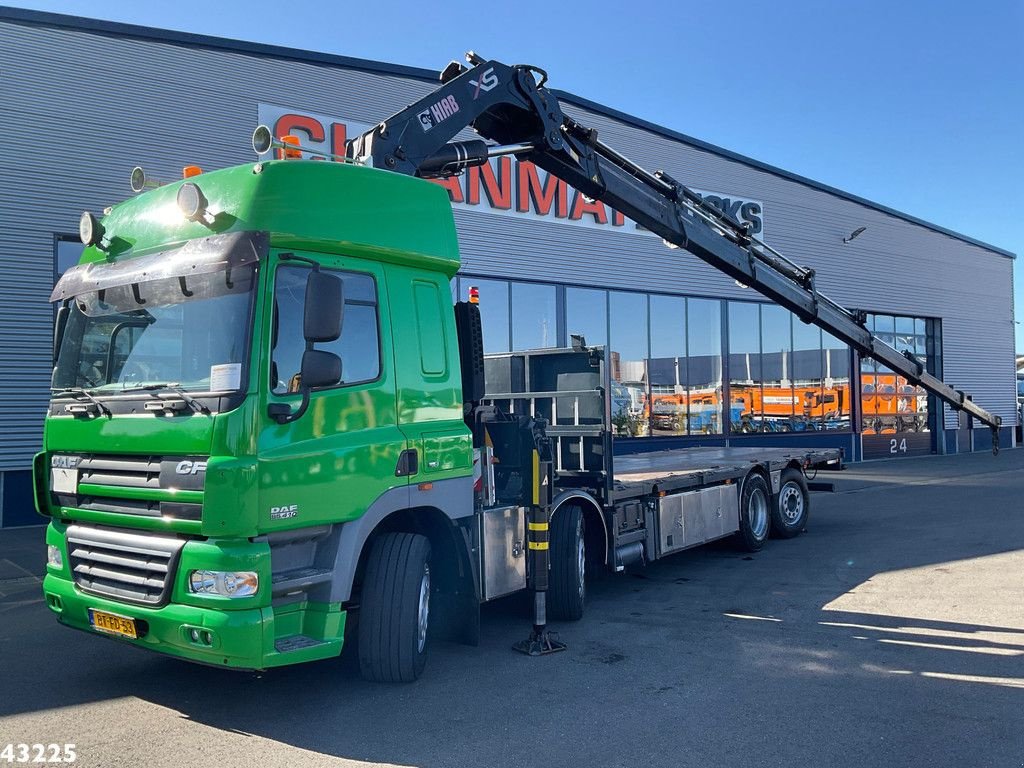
(704, 344)
(628, 360)
(777, 407)
(586, 315)
(494, 312)
(837, 393)
(667, 366)
(534, 323)
(66, 253)
(745, 378)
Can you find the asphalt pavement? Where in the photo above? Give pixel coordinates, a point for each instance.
(890, 634)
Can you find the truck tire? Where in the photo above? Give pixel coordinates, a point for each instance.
(567, 578)
(394, 611)
(755, 514)
(792, 507)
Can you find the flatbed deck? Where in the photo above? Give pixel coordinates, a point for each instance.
(676, 470)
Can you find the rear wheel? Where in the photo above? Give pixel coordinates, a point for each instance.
(394, 614)
(793, 506)
(754, 513)
(567, 585)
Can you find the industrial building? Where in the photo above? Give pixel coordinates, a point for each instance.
(697, 358)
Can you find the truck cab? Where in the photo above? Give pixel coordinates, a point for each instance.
(254, 368)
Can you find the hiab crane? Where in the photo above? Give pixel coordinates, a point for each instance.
(271, 432)
(509, 105)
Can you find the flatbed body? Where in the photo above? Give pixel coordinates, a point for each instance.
(684, 469)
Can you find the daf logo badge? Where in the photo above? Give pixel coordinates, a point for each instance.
(65, 462)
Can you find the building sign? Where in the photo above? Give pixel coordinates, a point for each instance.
(744, 210)
(504, 186)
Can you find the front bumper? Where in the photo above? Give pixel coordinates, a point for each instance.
(240, 633)
(237, 636)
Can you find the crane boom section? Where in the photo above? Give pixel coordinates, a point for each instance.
(509, 106)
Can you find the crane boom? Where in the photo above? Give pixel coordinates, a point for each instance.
(510, 106)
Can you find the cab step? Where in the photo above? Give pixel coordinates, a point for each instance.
(296, 643)
(298, 580)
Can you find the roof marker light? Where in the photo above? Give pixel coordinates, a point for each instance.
(291, 150)
(190, 170)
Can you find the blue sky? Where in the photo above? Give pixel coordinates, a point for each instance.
(916, 105)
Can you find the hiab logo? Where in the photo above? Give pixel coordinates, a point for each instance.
(443, 109)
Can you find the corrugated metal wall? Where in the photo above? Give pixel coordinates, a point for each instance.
(89, 106)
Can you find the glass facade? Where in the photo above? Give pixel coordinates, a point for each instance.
(785, 375)
(667, 357)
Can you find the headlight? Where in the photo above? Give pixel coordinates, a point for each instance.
(224, 583)
(53, 556)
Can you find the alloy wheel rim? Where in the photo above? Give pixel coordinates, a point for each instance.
(581, 561)
(423, 613)
(758, 514)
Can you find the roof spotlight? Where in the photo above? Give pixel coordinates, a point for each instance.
(89, 229)
(192, 202)
(141, 181)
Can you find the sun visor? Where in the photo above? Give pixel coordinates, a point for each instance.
(196, 257)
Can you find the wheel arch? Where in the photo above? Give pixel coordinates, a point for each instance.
(594, 526)
(393, 511)
(451, 565)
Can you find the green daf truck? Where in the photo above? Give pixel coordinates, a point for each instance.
(271, 430)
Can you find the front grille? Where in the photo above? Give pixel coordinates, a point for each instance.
(120, 471)
(134, 567)
(99, 472)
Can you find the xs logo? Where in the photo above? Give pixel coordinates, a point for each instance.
(190, 467)
(487, 82)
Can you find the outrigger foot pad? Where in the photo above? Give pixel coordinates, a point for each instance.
(540, 643)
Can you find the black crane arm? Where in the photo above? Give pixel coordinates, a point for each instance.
(509, 105)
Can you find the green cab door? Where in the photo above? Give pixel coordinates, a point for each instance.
(334, 461)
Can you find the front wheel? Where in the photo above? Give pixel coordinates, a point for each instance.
(793, 507)
(754, 513)
(394, 614)
(567, 587)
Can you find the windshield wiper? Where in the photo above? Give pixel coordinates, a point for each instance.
(77, 392)
(192, 403)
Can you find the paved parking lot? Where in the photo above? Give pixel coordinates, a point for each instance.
(891, 634)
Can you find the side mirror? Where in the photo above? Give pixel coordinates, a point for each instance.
(319, 369)
(325, 307)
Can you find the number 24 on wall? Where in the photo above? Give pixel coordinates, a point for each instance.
(895, 447)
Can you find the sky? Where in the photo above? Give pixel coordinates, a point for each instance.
(917, 105)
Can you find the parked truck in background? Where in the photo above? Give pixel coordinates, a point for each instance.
(270, 429)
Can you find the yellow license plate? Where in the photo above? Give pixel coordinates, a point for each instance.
(116, 625)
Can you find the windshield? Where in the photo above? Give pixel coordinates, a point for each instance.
(188, 331)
